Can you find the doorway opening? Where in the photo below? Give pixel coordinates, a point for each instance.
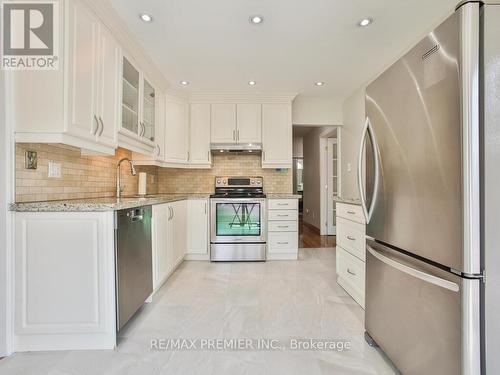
(316, 178)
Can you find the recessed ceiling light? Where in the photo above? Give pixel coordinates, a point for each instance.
(319, 83)
(365, 22)
(252, 83)
(146, 17)
(256, 19)
(184, 83)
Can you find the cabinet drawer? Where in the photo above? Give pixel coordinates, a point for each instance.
(282, 215)
(351, 237)
(351, 270)
(283, 204)
(351, 212)
(286, 242)
(282, 226)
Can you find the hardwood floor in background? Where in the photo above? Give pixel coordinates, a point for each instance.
(309, 237)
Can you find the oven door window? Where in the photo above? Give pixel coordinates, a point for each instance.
(238, 219)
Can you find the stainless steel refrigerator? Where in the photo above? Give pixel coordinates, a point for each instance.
(424, 195)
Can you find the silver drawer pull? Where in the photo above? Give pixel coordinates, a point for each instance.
(282, 204)
(283, 226)
(282, 243)
(283, 215)
(350, 238)
(351, 212)
(350, 272)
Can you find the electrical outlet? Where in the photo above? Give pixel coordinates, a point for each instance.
(54, 169)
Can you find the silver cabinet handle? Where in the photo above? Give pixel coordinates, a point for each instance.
(102, 126)
(350, 238)
(282, 215)
(158, 152)
(238, 135)
(414, 272)
(234, 135)
(170, 213)
(368, 212)
(97, 124)
(351, 212)
(283, 226)
(282, 243)
(282, 204)
(205, 208)
(264, 155)
(188, 156)
(208, 155)
(350, 272)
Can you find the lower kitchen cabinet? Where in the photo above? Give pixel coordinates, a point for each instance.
(64, 281)
(169, 231)
(350, 251)
(283, 234)
(197, 234)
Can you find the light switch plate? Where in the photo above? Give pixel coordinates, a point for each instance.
(54, 169)
(349, 167)
(30, 159)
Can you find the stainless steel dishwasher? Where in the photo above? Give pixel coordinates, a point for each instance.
(134, 270)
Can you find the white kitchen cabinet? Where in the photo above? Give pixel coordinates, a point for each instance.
(139, 104)
(77, 104)
(223, 123)
(197, 229)
(176, 131)
(249, 123)
(282, 226)
(199, 135)
(179, 219)
(236, 123)
(64, 281)
(161, 240)
(351, 250)
(276, 136)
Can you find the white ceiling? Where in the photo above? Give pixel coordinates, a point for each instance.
(212, 45)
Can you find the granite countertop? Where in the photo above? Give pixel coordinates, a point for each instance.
(354, 201)
(283, 196)
(101, 204)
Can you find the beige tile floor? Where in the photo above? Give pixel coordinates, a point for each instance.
(275, 300)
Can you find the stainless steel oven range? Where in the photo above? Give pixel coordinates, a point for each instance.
(238, 220)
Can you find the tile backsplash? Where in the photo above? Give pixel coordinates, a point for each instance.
(81, 176)
(94, 176)
(177, 180)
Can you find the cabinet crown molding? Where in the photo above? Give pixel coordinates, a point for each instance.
(241, 97)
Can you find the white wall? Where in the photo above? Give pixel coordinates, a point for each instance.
(353, 111)
(298, 147)
(315, 110)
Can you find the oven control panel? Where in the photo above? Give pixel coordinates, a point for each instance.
(238, 182)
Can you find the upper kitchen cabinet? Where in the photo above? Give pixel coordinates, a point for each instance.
(139, 104)
(78, 103)
(236, 123)
(223, 123)
(199, 135)
(276, 136)
(176, 131)
(248, 123)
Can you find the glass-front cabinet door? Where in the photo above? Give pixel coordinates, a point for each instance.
(148, 111)
(130, 97)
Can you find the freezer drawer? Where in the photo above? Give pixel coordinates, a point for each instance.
(414, 312)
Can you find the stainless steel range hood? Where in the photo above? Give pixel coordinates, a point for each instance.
(240, 148)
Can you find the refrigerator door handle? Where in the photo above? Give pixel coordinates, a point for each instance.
(368, 129)
(414, 272)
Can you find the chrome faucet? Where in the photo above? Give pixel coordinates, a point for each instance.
(132, 171)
